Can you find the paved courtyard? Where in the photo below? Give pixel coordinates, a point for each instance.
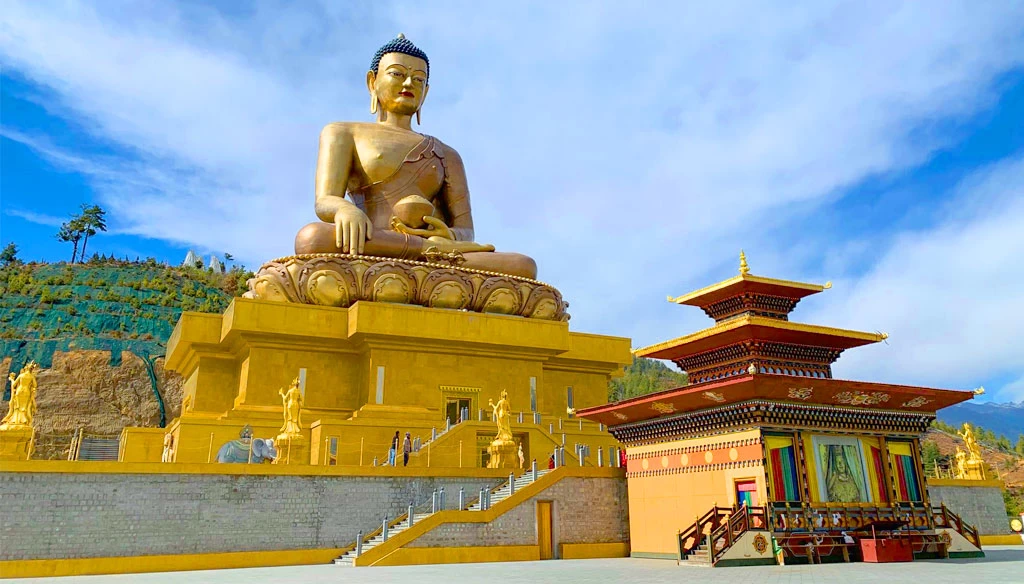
(1002, 564)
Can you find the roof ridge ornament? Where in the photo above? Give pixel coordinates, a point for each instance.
(744, 268)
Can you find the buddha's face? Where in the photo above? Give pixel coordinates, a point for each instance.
(400, 83)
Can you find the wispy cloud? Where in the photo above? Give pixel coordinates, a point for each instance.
(33, 217)
(633, 152)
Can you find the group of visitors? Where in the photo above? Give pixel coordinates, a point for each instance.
(406, 449)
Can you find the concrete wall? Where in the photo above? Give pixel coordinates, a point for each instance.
(58, 515)
(978, 503)
(585, 510)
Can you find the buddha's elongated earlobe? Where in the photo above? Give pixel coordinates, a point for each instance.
(418, 117)
(373, 102)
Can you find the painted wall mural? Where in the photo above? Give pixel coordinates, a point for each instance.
(842, 474)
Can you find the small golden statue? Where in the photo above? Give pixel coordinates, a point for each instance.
(503, 450)
(961, 463)
(23, 398)
(293, 446)
(974, 467)
(502, 416)
(292, 402)
(17, 436)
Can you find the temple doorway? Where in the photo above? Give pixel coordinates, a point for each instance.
(544, 532)
(457, 409)
(746, 493)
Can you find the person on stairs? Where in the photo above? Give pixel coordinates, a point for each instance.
(393, 452)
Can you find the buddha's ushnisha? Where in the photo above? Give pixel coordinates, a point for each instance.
(407, 192)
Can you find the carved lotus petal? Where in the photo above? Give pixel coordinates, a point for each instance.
(328, 288)
(267, 288)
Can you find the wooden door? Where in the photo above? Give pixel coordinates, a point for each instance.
(544, 536)
(746, 493)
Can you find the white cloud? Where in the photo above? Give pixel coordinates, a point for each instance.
(948, 296)
(1011, 392)
(630, 151)
(33, 217)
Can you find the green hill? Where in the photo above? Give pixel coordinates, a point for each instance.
(104, 304)
(645, 376)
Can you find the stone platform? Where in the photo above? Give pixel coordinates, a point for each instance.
(342, 280)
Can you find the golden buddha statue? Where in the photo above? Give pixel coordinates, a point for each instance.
(23, 398)
(408, 191)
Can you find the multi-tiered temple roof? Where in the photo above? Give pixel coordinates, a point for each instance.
(755, 355)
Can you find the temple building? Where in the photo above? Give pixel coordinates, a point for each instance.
(764, 439)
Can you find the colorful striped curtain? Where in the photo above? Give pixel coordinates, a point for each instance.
(876, 462)
(782, 459)
(908, 485)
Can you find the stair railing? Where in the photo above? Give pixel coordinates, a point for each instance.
(690, 538)
(943, 517)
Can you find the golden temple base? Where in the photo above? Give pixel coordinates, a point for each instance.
(375, 368)
(16, 442)
(503, 454)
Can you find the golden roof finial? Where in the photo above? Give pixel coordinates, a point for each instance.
(400, 36)
(828, 285)
(980, 391)
(744, 268)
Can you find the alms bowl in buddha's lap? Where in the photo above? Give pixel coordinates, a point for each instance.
(411, 210)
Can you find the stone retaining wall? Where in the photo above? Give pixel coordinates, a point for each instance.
(584, 510)
(82, 515)
(980, 506)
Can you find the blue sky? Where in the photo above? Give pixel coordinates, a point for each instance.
(631, 153)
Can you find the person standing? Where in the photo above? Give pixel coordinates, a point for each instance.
(406, 449)
(393, 451)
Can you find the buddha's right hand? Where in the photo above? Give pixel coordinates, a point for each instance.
(351, 229)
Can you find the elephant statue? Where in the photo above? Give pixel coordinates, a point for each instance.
(247, 449)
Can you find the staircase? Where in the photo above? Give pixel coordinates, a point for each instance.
(98, 448)
(502, 492)
(698, 556)
(505, 491)
(378, 538)
(720, 527)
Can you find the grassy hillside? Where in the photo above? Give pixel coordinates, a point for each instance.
(645, 376)
(103, 304)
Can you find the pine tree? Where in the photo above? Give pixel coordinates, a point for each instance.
(9, 255)
(71, 232)
(93, 220)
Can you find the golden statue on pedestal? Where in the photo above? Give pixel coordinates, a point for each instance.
(23, 398)
(501, 416)
(17, 436)
(973, 468)
(503, 449)
(395, 218)
(293, 446)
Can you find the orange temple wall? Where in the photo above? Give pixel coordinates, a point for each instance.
(682, 480)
